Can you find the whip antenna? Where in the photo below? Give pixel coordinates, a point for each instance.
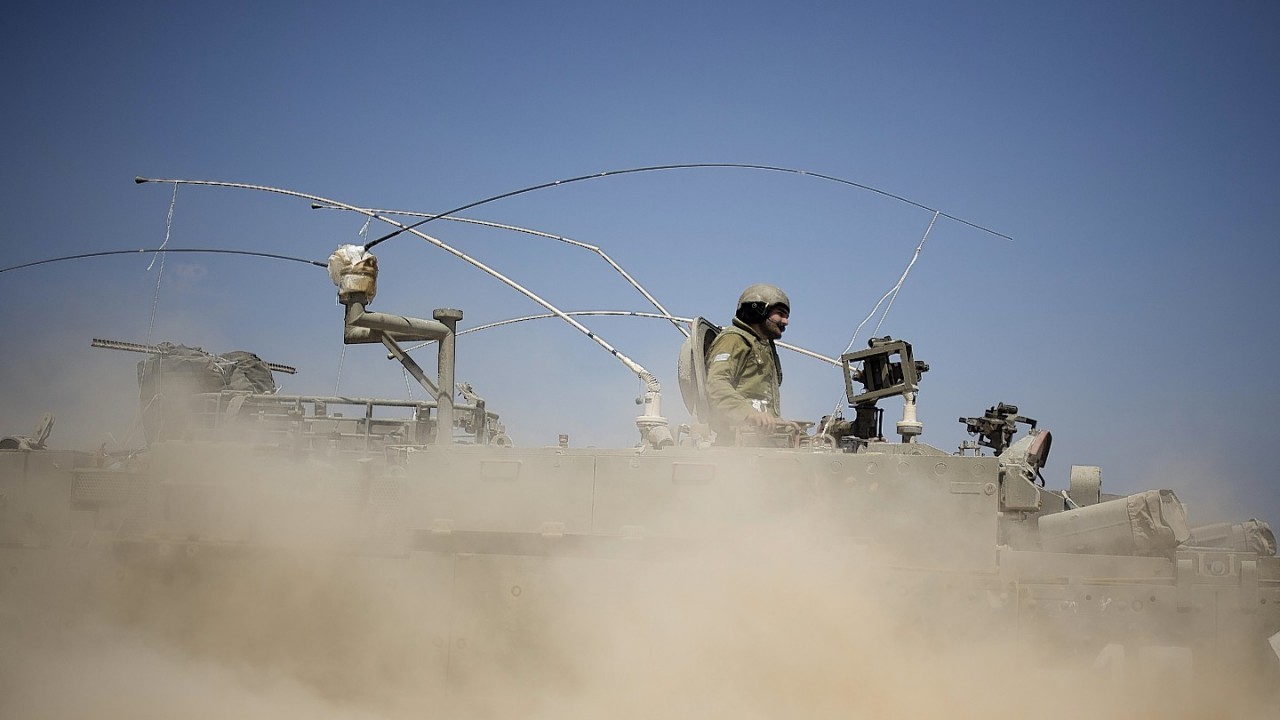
(538, 233)
(142, 251)
(622, 313)
(652, 424)
(683, 166)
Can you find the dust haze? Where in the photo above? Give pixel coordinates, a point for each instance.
(779, 618)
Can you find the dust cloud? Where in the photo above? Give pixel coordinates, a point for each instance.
(781, 619)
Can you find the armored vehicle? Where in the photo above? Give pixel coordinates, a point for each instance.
(406, 556)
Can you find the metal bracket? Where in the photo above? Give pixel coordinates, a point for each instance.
(1185, 577)
(1249, 586)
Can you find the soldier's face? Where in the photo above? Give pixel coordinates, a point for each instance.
(776, 323)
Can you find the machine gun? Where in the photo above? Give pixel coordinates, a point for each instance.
(997, 426)
(995, 430)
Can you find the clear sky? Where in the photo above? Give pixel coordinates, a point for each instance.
(1129, 148)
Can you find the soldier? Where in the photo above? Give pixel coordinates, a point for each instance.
(743, 371)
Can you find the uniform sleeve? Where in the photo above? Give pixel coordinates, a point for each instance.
(726, 362)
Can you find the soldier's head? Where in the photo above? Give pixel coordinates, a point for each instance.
(765, 308)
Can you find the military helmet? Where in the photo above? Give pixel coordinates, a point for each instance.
(767, 295)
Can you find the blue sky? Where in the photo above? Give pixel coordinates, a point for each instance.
(1129, 148)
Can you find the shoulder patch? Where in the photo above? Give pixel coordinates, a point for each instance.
(720, 358)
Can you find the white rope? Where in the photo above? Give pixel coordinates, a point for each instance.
(896, 288)
(891, 295)
(342, 358)
(168, 228)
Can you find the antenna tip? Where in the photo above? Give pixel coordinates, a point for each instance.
(139, 179)
(317, 206)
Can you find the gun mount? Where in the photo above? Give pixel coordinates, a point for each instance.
(881, 376)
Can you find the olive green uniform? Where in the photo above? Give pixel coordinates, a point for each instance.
(743, 376)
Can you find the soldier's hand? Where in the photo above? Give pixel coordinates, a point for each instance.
(761, 420)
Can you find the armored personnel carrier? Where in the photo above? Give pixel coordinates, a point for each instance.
(399, 555)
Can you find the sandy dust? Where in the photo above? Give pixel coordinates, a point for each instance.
(780, 624)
